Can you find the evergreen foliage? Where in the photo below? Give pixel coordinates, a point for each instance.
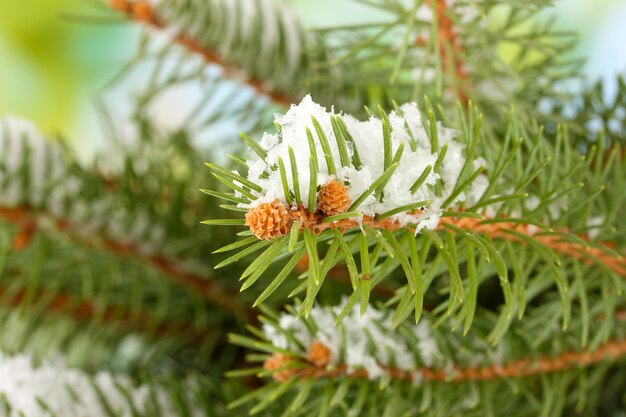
(440, 236)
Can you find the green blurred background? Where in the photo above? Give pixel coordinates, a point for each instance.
(52, 65)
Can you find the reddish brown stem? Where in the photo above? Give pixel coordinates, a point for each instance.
(450, 48)
(87, 311)
(207, 287)
(142, 12)
(575, 250)
(600, 253)
(524, 367)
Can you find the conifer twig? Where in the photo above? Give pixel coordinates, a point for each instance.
(207, 287)
(499, 230)
(86, 311)
(450, 48)
(520, 368)
(142, 12)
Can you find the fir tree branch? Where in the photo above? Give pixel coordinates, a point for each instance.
(88, 312)
(142, 11)
(206, 286)
(521, 368)
(499, 230)
(341, 274)
(585, 252)
(449, 49)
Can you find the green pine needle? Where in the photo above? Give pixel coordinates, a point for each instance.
(283, 180)
(294, 235)
(401, 209)
(462, 187)
(294, 176)
(313, 169)
(252, 144)
(356, 158)
(380, 182)
(346, 215)
(420, 180)
(328, 154)
(228, 197)
(226, 173)
(341, 142)
(280, 278)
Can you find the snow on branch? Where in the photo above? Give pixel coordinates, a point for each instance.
(407, 184)
(367, 342)
(41, 187)
(321, 166)
(370, 347)
(53, 388)
(367, 354)
(258, 41)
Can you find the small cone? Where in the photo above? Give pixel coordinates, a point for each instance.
(319, 354)
(333, 198)
(278, 361)
(269, 220)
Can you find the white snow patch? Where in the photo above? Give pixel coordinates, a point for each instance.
(407, 130)
(365, 342)
(22, 384)
(594, 225)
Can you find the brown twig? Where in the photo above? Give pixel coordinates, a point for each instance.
(209, 288)
(86, 311)
(520, 368)
(450, 48)
(142, 12)
(502, 230)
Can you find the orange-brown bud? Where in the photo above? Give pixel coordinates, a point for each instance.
(279, 361)
(333, 198)
(269, 220)
(319, 354)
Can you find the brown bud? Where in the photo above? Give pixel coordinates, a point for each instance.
(279, 361)
(319, 354)
(333, 198)
(269, 220)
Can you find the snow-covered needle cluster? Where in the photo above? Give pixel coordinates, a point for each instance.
(368, 346)
(351, 342)
(52, 388)
(39, 165)
(320, 164)
(37, 174)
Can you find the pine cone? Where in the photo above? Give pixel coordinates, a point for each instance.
(269, 220)
(333, 198)
(319, 354)
(278, 361)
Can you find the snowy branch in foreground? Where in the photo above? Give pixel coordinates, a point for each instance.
(322, 167)
(261, 42)
(367, 342)
(53, 388)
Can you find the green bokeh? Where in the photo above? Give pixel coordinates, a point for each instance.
(50, 62)
(51, 65)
